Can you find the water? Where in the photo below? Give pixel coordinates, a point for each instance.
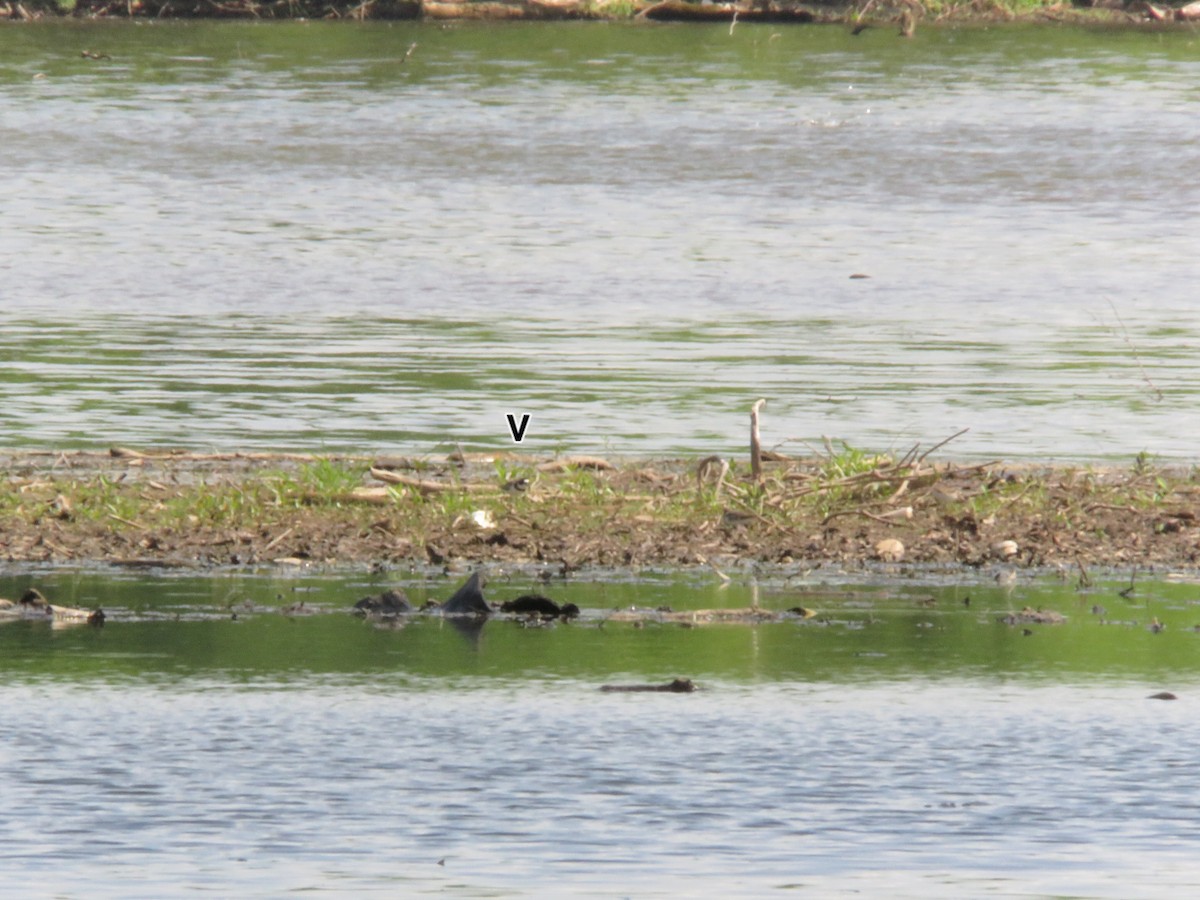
(238, 236)
(909, 789)
(903, 741)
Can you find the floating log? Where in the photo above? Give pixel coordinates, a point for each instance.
(537, 605)
(678, 686)
(749, 616)
(684, 11)
(1033, 616)
(33, 605)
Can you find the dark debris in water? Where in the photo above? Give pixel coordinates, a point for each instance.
(1034, 617)
(677, 686)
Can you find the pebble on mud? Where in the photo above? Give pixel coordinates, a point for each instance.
(889, 550)
(1004, 549)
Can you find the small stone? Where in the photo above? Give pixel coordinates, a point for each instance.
(1004, 549)
(62, 508)
(889, 550)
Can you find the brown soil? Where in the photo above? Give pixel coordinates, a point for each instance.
(245, 509)
(900, 15)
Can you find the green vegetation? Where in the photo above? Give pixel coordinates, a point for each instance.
(838, 505)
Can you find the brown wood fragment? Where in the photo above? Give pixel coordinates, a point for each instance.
(677, 686)
(377, 495)
(755, 442)
(429, 487)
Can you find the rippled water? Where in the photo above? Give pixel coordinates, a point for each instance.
(913, 789)
(242, 236)
(902, 742)
(282, 237)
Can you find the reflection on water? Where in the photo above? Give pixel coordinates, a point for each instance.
(260, 627)
(283, 237)
(903, 741)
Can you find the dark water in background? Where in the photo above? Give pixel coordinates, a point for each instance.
(246, 236)
(902, 742)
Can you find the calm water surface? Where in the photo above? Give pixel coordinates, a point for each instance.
(244, 236)
(901, 742)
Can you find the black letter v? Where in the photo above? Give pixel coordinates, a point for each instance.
(517, 433)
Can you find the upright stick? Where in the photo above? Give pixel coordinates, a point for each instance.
(755, 447)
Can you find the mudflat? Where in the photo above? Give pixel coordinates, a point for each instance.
(173, 508)
(902, 15)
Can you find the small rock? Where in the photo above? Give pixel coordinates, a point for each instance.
(889, 550)
(1004, 549)
(62, 508)
(945, 497)
(389, 603)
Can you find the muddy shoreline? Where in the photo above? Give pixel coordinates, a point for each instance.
(903, 16)
(146, 508)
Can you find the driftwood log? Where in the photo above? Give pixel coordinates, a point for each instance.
(678, 686)
(430, 487)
